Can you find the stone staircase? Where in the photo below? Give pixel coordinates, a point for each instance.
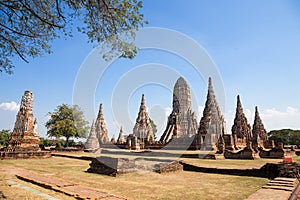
(279, 183)
(279, 188)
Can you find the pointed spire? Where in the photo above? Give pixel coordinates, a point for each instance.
(211, 98)
(143, 104)
(92, 142)
(258, 129)
(211, 114)
(143, 107)
(100, 113)
(100, 125)
(239, 104)
(210, 93)
(121, 139)
(93, 128)
(100, 108)
(210, 86)
(143, 100)
(241, 127)
(142, 126)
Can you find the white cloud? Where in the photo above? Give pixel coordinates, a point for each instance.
(291, 110)
(200, 111)
(168, 111)
(229, 117)
(113, 129)
(249, 115)
(11, 106)
(275, 119)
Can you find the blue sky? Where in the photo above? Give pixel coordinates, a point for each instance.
(255, 46)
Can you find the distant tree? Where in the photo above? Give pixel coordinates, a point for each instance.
(4, 137)
(67, 121)
(27, 28)
(154, 128)
(47, 143)
(286, 136)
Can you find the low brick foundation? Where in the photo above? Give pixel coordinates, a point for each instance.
(24, 155)
(116, 166)
(245, 153)
(269, 170)
(273, 153)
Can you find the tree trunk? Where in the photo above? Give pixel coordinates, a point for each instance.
(67, 141)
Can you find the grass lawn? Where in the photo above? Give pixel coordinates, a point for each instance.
(222, 163)
(179, 185)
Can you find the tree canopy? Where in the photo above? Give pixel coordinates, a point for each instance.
(286, 136)
(27, 27)
(4, 137)
(67, 121)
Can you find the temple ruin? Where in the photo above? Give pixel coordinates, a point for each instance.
(142, 129)
(182, 122)
(25, 141)
(121, 138)
(260, 141)
(92, 143)
(259, 133)
(101, 130)
(241, 130)
(241, 136)
(212, 126)
(182, 131)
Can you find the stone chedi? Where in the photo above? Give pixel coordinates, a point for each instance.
(182, 121)
(92, 143)
(241, 130)
(143, 129)
(25, 141)
(241, 136)
(113, 139)
(25, 135)
(212, 126)
(101, 130)
(121, 138)
(259, 133)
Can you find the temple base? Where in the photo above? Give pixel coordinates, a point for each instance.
(24, 155)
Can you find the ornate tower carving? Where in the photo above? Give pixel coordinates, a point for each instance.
(25, 135)
(121, 139)
(241, 130)
(143, 129)
(182, 122)
(259, 133)
(101, 130)
(92, 142)
(212, 126)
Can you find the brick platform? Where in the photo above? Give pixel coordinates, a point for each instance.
(60, 185)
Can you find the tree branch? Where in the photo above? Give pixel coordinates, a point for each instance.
(15, 48)
(39, 17)
(19, 33)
